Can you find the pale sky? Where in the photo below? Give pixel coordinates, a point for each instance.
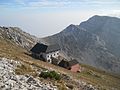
(47, 17)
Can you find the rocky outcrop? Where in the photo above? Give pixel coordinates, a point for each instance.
(10, 81)
(18, 36)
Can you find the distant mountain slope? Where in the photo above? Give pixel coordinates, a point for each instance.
(18, 36)
(108, 29)
(87, 42)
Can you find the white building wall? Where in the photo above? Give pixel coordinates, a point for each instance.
(49, 55)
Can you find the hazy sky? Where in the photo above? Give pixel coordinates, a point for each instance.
(47, 17)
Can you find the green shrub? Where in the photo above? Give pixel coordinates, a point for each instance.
(51, 75)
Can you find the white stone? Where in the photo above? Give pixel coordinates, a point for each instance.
(8, 78)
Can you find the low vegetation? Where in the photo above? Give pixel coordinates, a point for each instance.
(25, 69)
(50, 74)
(103, 80)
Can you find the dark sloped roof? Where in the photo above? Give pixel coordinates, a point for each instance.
(52, 48)
(73, 62)
(64, 64)
(38, 48)
(68, 64)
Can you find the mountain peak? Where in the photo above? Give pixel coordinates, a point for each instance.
(71, 26)
(96, 23)
(102, 18)
(95, 42)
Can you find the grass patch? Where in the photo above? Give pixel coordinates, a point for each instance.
(61, 85)
(25, 69)
(102, 79)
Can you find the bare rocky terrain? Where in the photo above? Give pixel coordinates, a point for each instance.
(10, 81)
(18, 36)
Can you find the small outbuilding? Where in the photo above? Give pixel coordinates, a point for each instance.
(46, 52)
(72, 65)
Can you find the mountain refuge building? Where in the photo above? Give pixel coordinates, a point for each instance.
(46, 52)
(72, 65)
(51, 54)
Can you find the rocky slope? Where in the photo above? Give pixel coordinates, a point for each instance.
(18, 36)
(94, 42)
(108, 29)
(10, 81)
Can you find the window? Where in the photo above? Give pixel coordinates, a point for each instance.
(48, 56)
(49, 61)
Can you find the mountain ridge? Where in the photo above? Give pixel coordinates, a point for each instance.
(80, 42)
(18, 36)
(109, 28)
